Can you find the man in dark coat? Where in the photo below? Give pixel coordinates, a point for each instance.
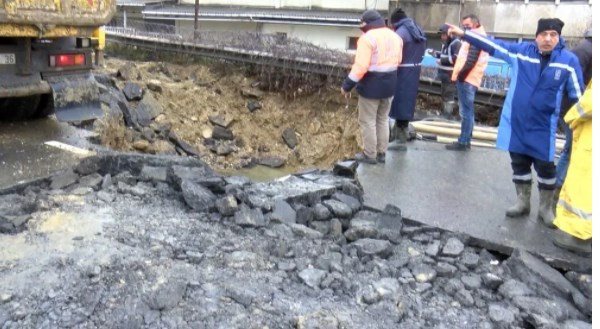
(409, 72)
(446, 58)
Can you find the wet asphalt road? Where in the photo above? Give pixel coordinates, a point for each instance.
(25, 156)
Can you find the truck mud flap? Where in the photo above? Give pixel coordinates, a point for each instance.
(76, 97)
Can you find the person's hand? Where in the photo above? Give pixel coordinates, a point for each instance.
(346, 94)
(430, 51)
(455, 30)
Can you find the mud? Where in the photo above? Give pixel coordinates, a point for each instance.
(323, 122)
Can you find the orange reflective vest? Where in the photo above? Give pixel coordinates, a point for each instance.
(476, 75)
(378, 50)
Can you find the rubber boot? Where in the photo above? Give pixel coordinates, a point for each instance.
(448, 109)
(523, 205)
(399, 142)
(573, 244)
(545, 211)
(555, 199)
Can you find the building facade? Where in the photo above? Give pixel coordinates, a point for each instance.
(334, 23)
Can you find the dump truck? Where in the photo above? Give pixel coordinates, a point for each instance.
(48, 49)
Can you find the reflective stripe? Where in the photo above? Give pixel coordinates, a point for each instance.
(445, 68)
(409, 65)
(547, 181)
(526, 177)
(573, 76)
(502, 49)
(580, 213)
(383, 68)
(353, 77)
(581, 111)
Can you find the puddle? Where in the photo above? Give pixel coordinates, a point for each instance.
(260, 173)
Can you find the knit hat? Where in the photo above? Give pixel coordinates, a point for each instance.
(398, 15)
(549, 24)
(443, 29)
(370, 16)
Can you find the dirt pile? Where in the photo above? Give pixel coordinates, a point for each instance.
(229, 120)
(137, 241)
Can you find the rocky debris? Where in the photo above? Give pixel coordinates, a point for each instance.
(338, 209)
(220, 133)
(133, 91)
(154, 174)
(423, 273)
(346, 168)
(178, 174)
(253, 106)
(183, 145)
(321, 212)
(196, 196)
(247, 217)
(252, 93)
(582, 281)
(150, 108)
(227, 206)
(289, 137)
(312, 277)
(453, 248)
(283, 213)
(350, 201)
(500, 314)
(138, 256)
(272, 161)
(220, 120)
(223, 149)
(361, 229)
(373, 247)
(128, 72)
(317, 320)
(154, 85)
(63, 179)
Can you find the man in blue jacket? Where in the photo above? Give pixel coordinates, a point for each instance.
(409, 73)
(541, 71)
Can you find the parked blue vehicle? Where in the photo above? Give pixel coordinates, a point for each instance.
(496, 78)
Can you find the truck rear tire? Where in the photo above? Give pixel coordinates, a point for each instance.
(19, 108)
(45, 107)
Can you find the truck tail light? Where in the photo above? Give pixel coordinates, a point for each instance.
(65, 60)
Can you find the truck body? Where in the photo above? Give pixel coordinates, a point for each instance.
(47, 52)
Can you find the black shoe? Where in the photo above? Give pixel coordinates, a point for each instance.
(361, 157)
(381, 157)
(456, 146)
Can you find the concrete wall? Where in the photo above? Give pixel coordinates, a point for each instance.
(345, 5)
(332, 37)
(505, 18)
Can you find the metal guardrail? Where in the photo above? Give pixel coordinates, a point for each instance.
(265, 50)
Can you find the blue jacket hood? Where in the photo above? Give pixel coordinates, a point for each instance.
(412, 28)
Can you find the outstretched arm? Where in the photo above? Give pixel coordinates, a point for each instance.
(497, 48)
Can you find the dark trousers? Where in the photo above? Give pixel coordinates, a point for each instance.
(521, 166)
(448, 91)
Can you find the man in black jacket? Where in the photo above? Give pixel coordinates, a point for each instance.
(445, 60)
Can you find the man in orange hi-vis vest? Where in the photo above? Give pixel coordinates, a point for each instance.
(378, 54)
(468, 73)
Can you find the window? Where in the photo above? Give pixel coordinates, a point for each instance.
(352, 43)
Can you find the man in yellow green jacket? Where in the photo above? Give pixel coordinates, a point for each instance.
(574, 208)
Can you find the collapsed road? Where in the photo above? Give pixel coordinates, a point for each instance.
(139, 241)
